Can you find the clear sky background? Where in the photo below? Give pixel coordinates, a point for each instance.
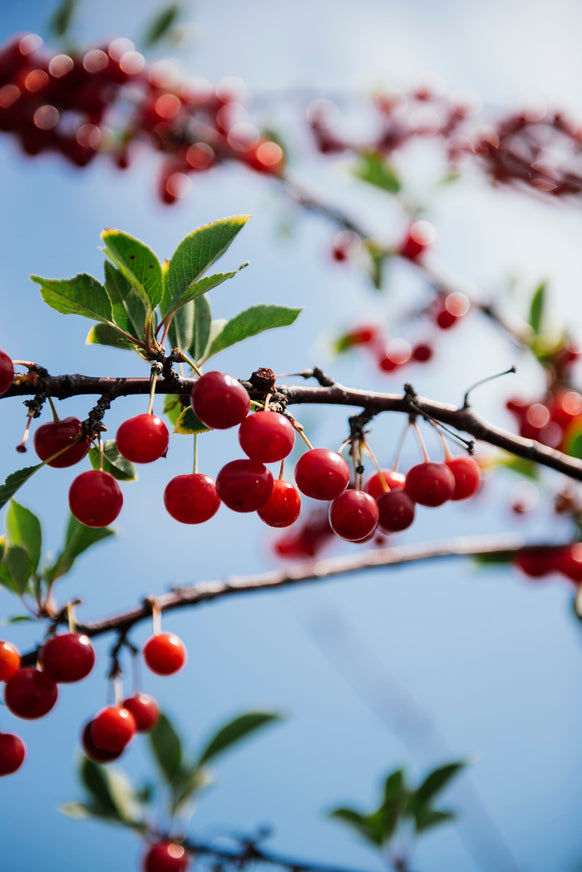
(409, 667)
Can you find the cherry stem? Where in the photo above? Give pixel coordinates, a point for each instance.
(156, 618)
(425, 455)
(447, 453)
(511, 370)
(373, 458)
(53, 410)
(166, 326)
(299, 429)
(400, 447)
(21, 447)
(195, 453)
(117, 690)
(71, 617)
(101, 455)
(282, 470)
(191, 364)
(267, 399)
(152, 390)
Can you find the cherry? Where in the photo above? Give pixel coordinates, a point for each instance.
(430, 484)
(422, 352)
(322, 474)
(419, 236)
(55, 436)
(6, 372)
(353, 515)
(308, 539)
(450, 309)
(396, 511)
(537, 562)
(30, 694)
(394, 480)
(12, 753)
(164, 653)
(191, 498)
(95, 498)
(283, 506)
(144, 709)
(568, 561)
(112, 729)
(9, 661)
(219, 400)
(67, 658)
(92, 751)
(244, 485)
(467, 476)
(166, 857)
(143, 439)
(266, 436)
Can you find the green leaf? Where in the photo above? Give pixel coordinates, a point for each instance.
(167, 748)
(113, 462)
(378, 260)
(197, 289)
(375, 169)
(23, 528)
(521, 466)
(202, 328)
(111, 793)
(235, 731)
(196, 253)
(77, 810)
(187, 423)
(216, 327)
(162, 23)
(187, 785)
(18, 619)
(573, 445)
(18, 564)
(172, 407)
(437, 780)
(394, 786)
(181, 332)
(127, 307)
(537, 307)
(78, 538)
(61, 19)
(360, 823)
(15, 481)
(105, 334)
(81, 295)
(138, 264)
(249, 323)
(432, 817)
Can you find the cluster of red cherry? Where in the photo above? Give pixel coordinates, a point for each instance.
(565, 560)
(553, 421)
(63, 104)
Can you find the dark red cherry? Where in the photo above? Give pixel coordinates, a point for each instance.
(143, 439)
(393, 479)
(396, 511)
(144, 709)
(6, 372)
(67, 658)
(191, 498)
(166, 857)
(54, 436)
(322, 474)
(112, 729)
(30, 694)
(9, 661)
(95, 498)
(244, 485)
(219, 400)
(467, 476)
(430, 484)
(12, 753)
(353, 515)
(164, 653)
(283, 506)
(92, 751)
(266, 436)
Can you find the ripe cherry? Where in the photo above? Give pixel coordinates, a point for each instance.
(191, 498)
(430, 484)
(55, 436)
(143, 439)
(467, 476)
(112, 729)
(219, 400)
(144, 709)
(95, 498)
(12, 753)
(92, 751)
(422, 352)
(244, 485)
(419, 236)
(396, 511)
(67, 658)
(30, 694)
(322, 474)
(537, 562)
(394, 480)
(6, 372)
(353, 515)
(568, 561)
(266, 436)
(166, 857)
(9, 661)
(164, 653)
(283, 506)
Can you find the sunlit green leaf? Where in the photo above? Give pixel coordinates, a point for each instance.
(375, 169)
(18, 564)
(235, 731)
(138, 264)
(15, 481)
(537, 307)
(197, 289)
(167, 748)
(105, 334)
(113, 462)
(81, 295)
(127, 307)
(23, 528)
(249, 323)
(187, 423)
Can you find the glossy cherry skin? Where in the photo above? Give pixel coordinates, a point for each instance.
(95, 498)
(396, 511)
(112, 729)
(322, 474)
(266, 436)
(6, 372)
(144, 709)
(191, 498)
(166, 857)
(244, 485)
(56, 435)
(164, 653)
(68, 657)
(143, 439)
(30, 694)
(353, 515)
(9, 661)
(92, 751)
(467, 476)
(219, 400)
(430, 484)
(394, 480)
(283, 506)
(12, 753)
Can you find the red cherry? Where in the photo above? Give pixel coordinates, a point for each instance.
(353, 515)
(144, 709)
(396, 511)
(191, 498)
(430, 484)
(565, 406)
(568, 561)
(283, 506)
(422, 352)
(164, 653)
(95, 498)
(143, 439)
(112, 729)
(467, 476)
(9, 661)
(450, 309)
(92, 751)
(266, 436)
(6, 372)
(244, 485)
(56, 435)
(537, 562)
(166, 857)
(30, 694)
(12, 753)
(266, 157)
(219, 400)
(419, 236)
(393, 479)
(67, 658)
(322, 474)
